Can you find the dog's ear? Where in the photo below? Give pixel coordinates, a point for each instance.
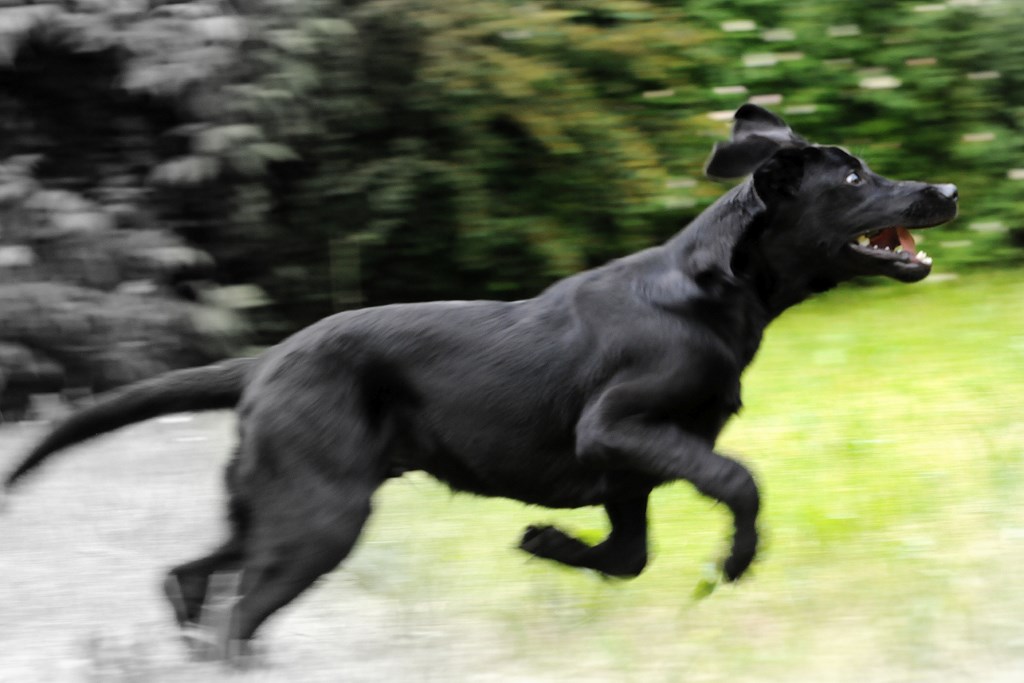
(756, 135)
(782, 174)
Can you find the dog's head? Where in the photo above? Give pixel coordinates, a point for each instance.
(824, 208)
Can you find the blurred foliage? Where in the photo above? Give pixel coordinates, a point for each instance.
(99, 281)
(442, 153)
(486, 148)
(333, 153)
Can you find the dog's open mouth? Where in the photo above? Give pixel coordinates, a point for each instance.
(894, 244)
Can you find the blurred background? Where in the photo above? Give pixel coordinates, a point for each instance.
(183, 181)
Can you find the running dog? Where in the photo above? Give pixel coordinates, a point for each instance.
(605, 385)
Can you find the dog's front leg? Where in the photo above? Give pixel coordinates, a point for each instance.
(625, 429)
(622, 554)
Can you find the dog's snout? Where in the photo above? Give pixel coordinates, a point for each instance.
(948, 190)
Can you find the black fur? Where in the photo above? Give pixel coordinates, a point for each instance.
(605, 385)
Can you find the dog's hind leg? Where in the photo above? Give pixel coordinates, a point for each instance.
(188, 584)
(308, 471)
(290, 547)
(188, 588)
(315, 446)
(623, 553)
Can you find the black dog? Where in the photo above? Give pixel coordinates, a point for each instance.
(606, 385)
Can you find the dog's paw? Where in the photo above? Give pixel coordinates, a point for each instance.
(246, 655)
(531, 533)
(744, 549)
(552, 543)
(176, 597)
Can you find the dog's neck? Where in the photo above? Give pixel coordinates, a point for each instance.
(707, 244)
(709, 289)
(779, 275)
(726, 243)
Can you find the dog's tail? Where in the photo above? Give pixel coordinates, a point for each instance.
(209, 387)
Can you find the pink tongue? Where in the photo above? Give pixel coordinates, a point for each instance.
(906, 240)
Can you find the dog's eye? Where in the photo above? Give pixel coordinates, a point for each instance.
(854, 178)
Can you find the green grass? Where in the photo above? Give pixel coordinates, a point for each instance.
(887, 430)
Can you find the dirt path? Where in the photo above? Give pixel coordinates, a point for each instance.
(85, 544)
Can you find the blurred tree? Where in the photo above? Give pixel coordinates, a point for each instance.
(96, 289)
(486, 148)
(477, 149)
(340, 152)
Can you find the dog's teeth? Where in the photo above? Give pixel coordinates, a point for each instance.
(927, 260)
(863, 240)
(921, 256)
(898, 250)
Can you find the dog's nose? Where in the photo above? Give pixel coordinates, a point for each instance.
(948, 190)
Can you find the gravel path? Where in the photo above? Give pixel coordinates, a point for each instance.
(85, 544)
